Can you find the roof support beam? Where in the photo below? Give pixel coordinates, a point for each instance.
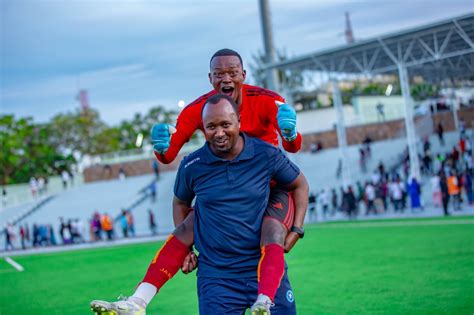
(463, 34)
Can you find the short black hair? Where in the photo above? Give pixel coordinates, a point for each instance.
(217, 98)
(226, 52)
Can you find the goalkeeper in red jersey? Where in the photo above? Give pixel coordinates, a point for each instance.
(263, 114)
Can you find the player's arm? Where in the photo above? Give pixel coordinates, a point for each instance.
(181, 210)
(183, 197)
(300, 190)
(287, 173)
(283, 117)
(167, 145)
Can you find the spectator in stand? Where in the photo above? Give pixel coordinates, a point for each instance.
(23, 237)
(440, 132)
(124, 223)
(62, 228)
(131, 223)
(4, 196)
(96, 226)
(468, 162)
(427, 163)
(396, 194)
(462, 127)
(51, 236)
(443, 184)
(35, 235)
(323, 200)
(41, 186)
(462, 145)
(107, 225)
(455, 157)
(381, 169)
(360, 195)
(33, 186)
(312, 205)
(366, 144)
(350, 202)
(339, 169)
(467, 182)
(426, 144)
(46, 181)
(152, 222)
(375, 177)
(370, 198)
(414, 189)
(436, 190)
(153, 192)
(454, 191)
(121, 173)
(65, 178)
(156, 168)
(384, 191)
(333, 201)
(362, 160)
(9, 237)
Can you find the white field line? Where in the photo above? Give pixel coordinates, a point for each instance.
(15, 265)
(390, 224)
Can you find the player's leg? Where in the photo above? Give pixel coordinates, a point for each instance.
(284, 299)
(278, 220)
(164, 266)
(284, 302)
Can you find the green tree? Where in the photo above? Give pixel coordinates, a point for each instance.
(26, 150)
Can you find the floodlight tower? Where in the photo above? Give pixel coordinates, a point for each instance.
(83, 99)
(348, 32)
(267, 33)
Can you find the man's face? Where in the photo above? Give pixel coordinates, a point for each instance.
(227, 76)
(221, 126)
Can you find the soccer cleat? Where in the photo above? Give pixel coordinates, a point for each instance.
(130, 306)
(262, 305)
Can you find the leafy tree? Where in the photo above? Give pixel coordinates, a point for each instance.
(26, 150)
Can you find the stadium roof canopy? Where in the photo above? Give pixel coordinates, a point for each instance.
(444, 48)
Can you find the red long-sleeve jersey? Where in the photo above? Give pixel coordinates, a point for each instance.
(258, 113)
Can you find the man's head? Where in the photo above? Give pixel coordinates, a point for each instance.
(220, 118)
(227, 73)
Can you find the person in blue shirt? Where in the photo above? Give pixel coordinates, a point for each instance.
(229, 180)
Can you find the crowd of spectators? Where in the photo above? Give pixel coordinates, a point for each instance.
(102, 227)
(449, 175)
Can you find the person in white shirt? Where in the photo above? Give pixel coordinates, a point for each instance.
(436, 190)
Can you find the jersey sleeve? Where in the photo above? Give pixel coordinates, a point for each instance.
(284, 171)
(293, 146)
(189, 120)
(183, 184)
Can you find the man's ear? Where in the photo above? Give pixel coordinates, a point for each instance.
(209, 76)
(244, 72)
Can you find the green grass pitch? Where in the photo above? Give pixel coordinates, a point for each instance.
(389, 267)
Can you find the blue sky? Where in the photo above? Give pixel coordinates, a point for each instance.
(132, 55)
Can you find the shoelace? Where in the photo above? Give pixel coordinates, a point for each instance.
(122, 297)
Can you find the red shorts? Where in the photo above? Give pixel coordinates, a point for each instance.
(281, 206)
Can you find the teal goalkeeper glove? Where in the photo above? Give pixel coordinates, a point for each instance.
(286, 118)
(161, 136)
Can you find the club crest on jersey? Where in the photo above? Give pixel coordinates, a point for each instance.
(290, 296)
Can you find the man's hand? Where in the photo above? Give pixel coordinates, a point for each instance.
(190, 263)
(286, 118)
(290, 241)
(161, 136)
